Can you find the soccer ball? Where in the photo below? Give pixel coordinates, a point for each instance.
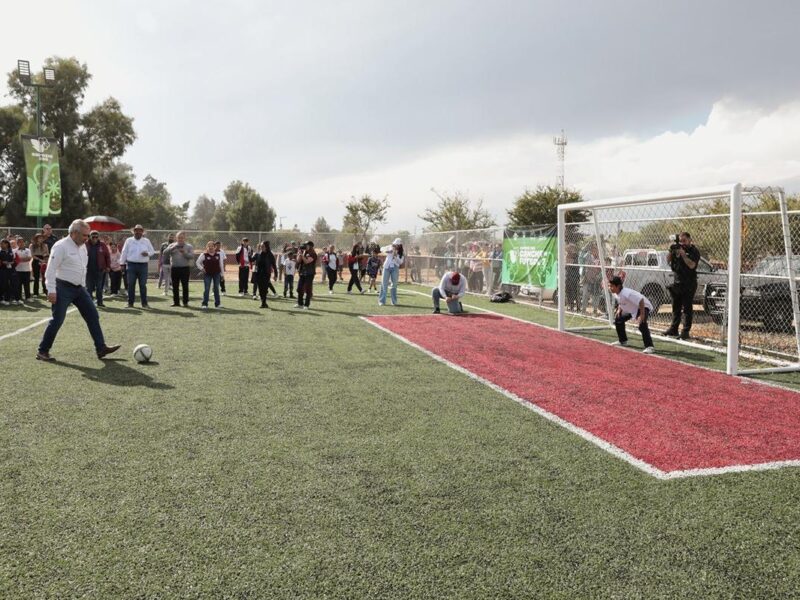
(142, 353)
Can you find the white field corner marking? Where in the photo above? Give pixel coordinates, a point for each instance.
(586, 435)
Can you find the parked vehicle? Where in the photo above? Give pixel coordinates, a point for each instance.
(764, 295)
(648, 271)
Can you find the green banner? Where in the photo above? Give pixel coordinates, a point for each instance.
(531, 261)
(44, 177)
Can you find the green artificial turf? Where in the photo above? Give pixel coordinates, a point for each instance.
(293, 454)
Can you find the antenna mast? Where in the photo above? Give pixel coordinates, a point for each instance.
(561, 147)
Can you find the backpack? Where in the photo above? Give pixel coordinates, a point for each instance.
(500, 297)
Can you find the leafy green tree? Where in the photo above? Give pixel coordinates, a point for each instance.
(89, 144)
(203, 213)
(12, 168)
(245, 209)
(362, 214)
(113, 191)
(540, 207)
(321, 226)
(454, 212)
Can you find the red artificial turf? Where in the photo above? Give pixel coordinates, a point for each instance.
(672, 416)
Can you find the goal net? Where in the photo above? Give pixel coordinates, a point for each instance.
(745, 305)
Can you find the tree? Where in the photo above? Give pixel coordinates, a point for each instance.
(246, 209)
(203, 213)
(540, 207)
(152, 207)
(321, 226)
(362, 214)
(12, 168)
(219, 222)
(454, 212)
(89, 144)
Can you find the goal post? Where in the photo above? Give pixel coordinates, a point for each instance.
(746, 302)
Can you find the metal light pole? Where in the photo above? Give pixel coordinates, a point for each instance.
(24, 72)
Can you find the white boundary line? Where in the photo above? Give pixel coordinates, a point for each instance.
(31, 326)
(586, 435)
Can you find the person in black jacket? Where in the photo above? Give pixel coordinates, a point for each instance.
(683, 259)
(265, 266)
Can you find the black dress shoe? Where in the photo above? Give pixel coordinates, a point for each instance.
(108, 350)
(671, 333)
(145, 306)
(100, 304)
(436, 311)
(45, 356)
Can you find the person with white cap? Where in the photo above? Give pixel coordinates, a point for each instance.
(391, 269)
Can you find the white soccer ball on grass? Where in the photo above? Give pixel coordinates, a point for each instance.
(142, 353)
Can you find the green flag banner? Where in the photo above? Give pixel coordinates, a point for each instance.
(44, 177)
(530, 261)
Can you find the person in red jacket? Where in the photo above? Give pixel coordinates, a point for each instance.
(98, 267)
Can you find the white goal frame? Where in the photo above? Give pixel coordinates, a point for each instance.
(734, 194)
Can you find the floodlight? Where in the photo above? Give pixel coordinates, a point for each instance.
(49, 76)
(24, 70)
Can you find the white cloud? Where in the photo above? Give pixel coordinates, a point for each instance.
(736, 143)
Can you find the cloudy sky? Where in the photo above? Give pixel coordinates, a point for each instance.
(313, 102)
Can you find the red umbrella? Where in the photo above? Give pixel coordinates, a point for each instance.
(100, 223)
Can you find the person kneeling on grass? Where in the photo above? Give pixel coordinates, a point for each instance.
(630, 302)
(452, 289)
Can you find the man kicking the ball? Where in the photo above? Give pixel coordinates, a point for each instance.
(66, 279)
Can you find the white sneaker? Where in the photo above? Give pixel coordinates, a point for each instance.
(204, 307)
(4, 303)
(330, 292)
(298, 306)
(649, 350)
(362, 292)
(623, 344)
(255, 296)
(17, 302)
(381, 304)
(224, 294)
(305, 308)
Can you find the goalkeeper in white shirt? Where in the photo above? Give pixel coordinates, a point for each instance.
(631, 305)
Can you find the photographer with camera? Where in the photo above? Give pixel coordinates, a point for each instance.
(683, 259)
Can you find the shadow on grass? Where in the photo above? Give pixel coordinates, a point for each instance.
(115, 372)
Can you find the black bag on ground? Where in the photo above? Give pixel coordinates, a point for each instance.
(500, 297)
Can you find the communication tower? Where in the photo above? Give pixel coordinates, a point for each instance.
(561, 147)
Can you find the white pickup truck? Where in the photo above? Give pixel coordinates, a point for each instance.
(648, 271)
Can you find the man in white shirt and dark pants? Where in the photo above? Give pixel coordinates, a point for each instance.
(136, 255)
(452, 288)
(630, 303)
(65, 278)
